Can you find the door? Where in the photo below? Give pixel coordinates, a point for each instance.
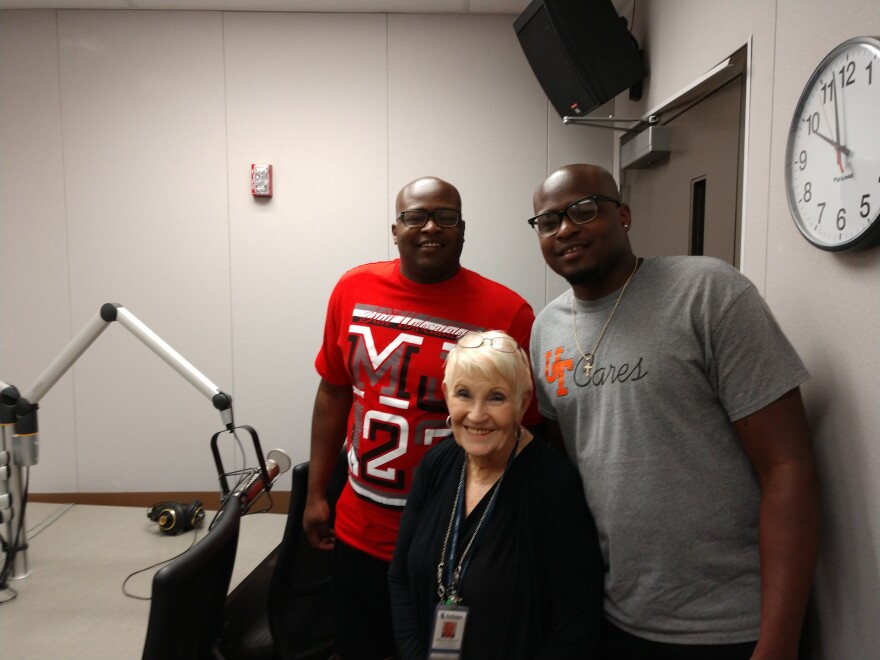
(689, 203)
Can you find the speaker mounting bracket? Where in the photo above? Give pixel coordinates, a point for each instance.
(609, 122)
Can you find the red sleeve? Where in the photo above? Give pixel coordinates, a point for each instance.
(330, 362)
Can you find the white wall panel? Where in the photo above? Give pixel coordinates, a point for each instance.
(145, 167)
(35, 295)
(306, 93)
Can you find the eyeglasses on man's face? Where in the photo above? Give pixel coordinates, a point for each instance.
(579, 212)
(417, 218)
(502, 344)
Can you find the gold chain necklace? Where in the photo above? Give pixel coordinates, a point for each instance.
(588, 357)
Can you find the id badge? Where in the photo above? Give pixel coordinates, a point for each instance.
(449, 622)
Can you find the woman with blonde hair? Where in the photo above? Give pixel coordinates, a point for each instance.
(497, 555)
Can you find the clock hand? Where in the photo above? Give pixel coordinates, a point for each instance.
(844, 150)
(836, 123)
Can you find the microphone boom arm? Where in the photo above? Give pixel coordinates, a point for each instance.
(221, 400)
(23, 411)
(27, 404)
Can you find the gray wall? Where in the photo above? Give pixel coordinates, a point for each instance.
(126, 141)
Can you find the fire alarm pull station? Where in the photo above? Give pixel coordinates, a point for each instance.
(261, 180)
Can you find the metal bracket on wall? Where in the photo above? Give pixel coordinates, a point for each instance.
(608, 122)
(709, 82)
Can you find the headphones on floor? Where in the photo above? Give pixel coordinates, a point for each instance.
(176, 517)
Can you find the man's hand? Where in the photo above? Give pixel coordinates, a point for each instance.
(316, 523)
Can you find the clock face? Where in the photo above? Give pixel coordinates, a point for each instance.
(832, 164)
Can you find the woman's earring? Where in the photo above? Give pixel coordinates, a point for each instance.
(449, 421)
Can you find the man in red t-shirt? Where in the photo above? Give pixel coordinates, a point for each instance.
(388, 330)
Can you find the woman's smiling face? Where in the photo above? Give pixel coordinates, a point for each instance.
(485, 416)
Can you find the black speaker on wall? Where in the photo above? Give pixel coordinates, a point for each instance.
(581, 51)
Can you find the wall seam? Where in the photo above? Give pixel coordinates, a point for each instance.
(229, 227)
(70, 311)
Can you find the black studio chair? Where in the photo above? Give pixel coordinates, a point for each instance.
(189, 593)
(281, 611)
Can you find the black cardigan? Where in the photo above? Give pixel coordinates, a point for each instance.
(534, 584)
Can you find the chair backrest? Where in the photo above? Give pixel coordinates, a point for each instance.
(299, 593)
(189, 593)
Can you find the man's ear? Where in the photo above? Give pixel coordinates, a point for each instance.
(394, 231)
(625, 216)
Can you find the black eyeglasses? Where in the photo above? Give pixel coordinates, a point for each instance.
(417, 218)
(579, 212)
(501, 344)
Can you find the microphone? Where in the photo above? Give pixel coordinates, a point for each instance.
(277, 463)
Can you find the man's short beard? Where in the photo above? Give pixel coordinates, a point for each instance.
(583, 276)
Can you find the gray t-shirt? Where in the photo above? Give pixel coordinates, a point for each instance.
(692, 347)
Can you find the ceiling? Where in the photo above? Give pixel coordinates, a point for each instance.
(350, 6)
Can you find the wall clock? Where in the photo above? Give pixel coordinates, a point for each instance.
(832, 160)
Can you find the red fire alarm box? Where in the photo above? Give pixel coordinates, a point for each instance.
(261, 180)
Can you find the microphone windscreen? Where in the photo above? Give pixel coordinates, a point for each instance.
(280, 458)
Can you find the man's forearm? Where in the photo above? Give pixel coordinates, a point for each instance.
(788, 538)
(329, 421)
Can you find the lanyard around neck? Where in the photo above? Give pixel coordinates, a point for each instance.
(449, 574)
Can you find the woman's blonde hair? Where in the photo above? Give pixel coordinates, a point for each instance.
(491, 359)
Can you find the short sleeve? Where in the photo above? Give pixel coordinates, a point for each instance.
(754, 364)
(330, 362)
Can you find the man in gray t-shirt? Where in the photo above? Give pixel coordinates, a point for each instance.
(673, 389)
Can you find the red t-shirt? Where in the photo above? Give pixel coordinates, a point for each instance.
(388, 338)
